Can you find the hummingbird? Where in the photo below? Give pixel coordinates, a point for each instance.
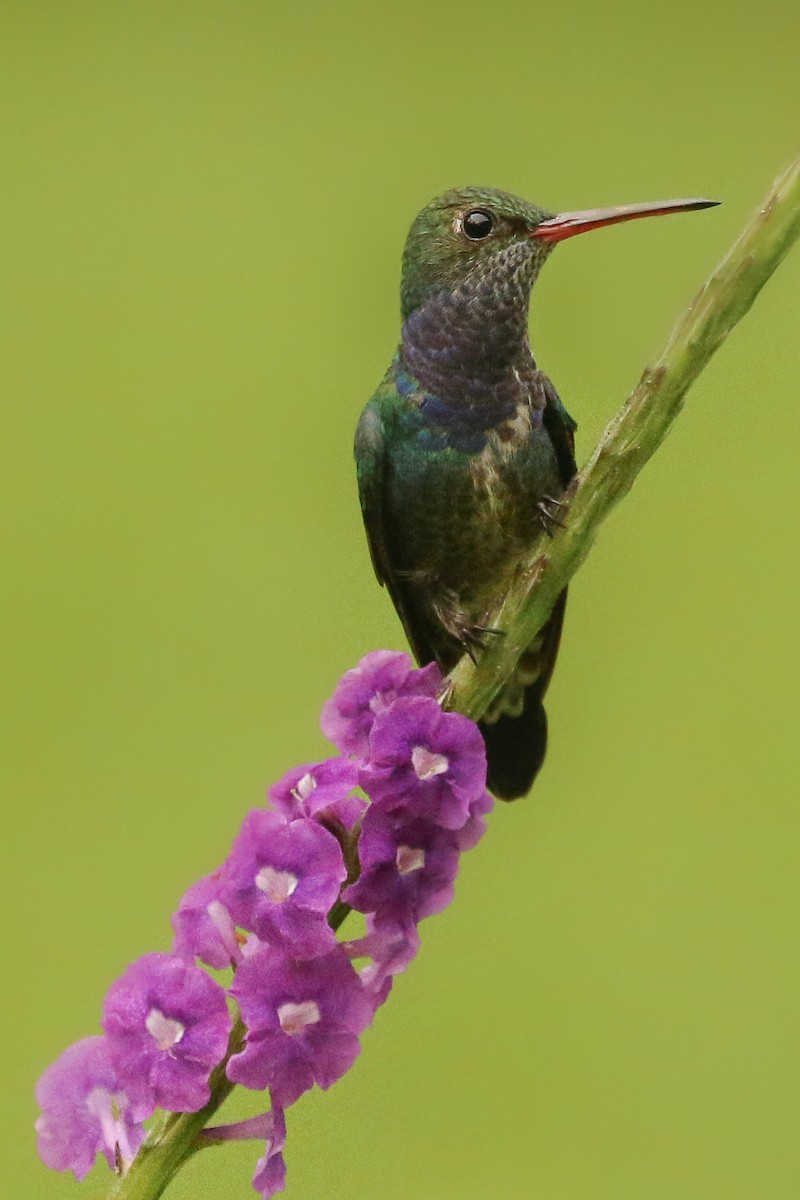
(464, 450)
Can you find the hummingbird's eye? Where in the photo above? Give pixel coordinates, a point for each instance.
(477, 224)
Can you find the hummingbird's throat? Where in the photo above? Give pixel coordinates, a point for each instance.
(460, 345)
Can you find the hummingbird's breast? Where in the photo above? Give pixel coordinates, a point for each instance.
(463, 494)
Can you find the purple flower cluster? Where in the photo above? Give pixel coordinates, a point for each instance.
(379, 829)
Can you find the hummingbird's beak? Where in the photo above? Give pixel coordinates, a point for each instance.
(569, 223)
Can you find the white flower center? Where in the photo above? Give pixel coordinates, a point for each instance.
(100, 1103)
(409, 859)
(295, 1017)
(166, 1032)
(277, 886)
(220, 918)
(305, 786)
(251, 944)
(427, 764)
(107, 1108)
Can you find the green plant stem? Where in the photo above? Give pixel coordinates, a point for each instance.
(630, 439)
(625, 446)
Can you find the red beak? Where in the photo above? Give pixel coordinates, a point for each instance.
(568, 224)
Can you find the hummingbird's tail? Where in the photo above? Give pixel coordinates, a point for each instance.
(515, 748)
(515, 727)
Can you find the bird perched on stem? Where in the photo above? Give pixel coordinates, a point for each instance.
(465, 448)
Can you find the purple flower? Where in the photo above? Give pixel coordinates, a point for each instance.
(85, 1108)
(367, 691)
(270, 1176)
(391, 946)
(281, 880)
(425, 763)
(203, 926)
(303, 1020)
(238, 1131)
(470, 834)
(407, 868)
(167, 1024)
(323, 790)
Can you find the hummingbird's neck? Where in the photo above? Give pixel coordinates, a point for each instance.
(463, 345)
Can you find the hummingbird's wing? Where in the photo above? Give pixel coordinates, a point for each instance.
(371, 467)
(370, 452)
(560, 428)
(516, 741)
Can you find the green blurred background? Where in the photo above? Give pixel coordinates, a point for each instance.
(202, 212)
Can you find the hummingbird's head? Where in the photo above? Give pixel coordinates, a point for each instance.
(479, 237)
(470, 233)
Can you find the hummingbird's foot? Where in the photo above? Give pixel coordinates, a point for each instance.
(550, 520)
(476, 637)
(471, 636)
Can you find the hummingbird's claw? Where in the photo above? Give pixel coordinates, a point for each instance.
(468, 633)
(546, 516)
(474, 637)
